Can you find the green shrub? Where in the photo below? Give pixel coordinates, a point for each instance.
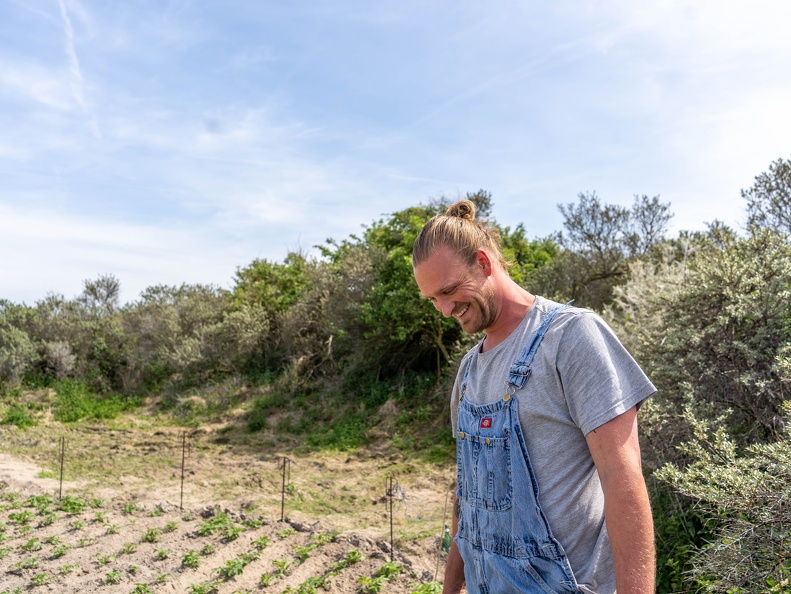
(75, 401)
(743, 496)
(19, 415)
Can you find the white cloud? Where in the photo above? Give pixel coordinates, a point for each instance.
(28, 80)
(48, 251)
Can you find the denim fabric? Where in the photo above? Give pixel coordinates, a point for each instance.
(503, 536)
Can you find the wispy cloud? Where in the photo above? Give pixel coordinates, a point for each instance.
(77, 79)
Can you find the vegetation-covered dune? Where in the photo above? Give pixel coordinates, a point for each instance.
(337, 356)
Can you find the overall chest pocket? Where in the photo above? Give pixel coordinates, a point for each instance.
(484, 469)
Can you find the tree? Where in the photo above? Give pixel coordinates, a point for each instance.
(769, 199)
(399, 329)
(266, 291)
(100, 297)
(710, 329)
(176, 332)
(17, 353)
(598, 242)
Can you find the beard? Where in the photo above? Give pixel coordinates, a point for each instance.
(481, 313)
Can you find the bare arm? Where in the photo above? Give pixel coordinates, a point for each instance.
(616, 453)
(454, 568)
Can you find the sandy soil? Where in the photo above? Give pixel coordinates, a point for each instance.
(135, 535)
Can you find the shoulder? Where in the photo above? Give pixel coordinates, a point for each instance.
(577, 320)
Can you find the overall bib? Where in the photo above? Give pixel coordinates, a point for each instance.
(503, 536)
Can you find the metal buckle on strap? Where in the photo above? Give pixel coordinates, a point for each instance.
(518, 375)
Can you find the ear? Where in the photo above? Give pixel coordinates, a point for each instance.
(485, 262)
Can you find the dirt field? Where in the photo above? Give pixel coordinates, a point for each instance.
(123, 523)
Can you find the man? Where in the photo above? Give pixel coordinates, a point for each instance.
(544, 411)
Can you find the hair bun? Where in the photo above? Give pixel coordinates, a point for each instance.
(464, 209)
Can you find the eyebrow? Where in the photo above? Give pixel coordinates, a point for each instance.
(444, 288)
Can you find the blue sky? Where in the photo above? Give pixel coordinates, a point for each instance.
(171, 142)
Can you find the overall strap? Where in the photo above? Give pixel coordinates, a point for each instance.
(520, 370)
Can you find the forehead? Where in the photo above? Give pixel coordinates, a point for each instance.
(439, 271)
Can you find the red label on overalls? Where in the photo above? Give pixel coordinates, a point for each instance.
(486, 423)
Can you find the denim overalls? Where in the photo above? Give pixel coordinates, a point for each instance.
(503, 535)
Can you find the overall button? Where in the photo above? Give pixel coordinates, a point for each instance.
(461, 434)
(507, 397)
(488, 441)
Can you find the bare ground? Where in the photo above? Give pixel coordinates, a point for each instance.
(142, 522)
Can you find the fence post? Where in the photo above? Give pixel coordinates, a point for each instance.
(62, 456)
(183, 458)
(286, 464)
(390, 497)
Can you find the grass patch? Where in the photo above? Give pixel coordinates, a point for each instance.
(75, 402)
(19, 415)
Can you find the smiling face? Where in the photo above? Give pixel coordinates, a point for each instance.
(458, 290)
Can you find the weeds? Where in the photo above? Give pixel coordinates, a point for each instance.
(190, 560)
(21, 517)
(152, 535)
(428, 588)
(113, 577)
(324, 537)
(231, 568)
(231, 532)
(72, 505)
(220, 522)
(59, 551)
(207, 588)
(303, 552)
(29, 563)
(389, 570)
(370, 585)
(32, 545)
(282, 566)
(383, 574)
(353, 556)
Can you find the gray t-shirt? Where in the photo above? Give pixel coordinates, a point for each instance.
(581, 378)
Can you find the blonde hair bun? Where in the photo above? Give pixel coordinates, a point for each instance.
(464, 209)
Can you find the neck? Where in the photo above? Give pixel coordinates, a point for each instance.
(515, 302)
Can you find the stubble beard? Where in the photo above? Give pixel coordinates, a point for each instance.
(485, 314)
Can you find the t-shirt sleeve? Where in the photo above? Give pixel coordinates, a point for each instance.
(600, 378)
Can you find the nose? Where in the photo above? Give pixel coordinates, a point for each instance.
(445, 306)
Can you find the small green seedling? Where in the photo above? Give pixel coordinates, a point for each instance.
(191, 560)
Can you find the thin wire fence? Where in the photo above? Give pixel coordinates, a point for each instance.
(398, 502)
